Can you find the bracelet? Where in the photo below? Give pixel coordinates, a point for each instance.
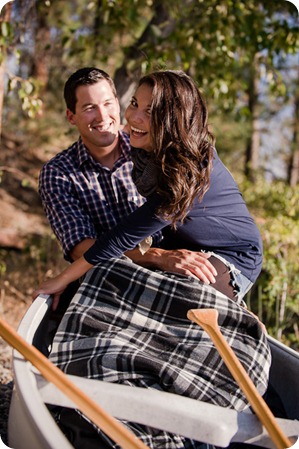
(145, 245)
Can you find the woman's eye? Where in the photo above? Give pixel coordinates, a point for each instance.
(134, 103)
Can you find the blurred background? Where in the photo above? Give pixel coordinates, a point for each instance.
(244, 55)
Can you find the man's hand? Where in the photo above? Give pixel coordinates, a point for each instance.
(54, 287)
(183, 261)
(57, 285)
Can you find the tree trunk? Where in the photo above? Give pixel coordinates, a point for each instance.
(126, 78)
(5, 18)
(40, 63)
(293, 171)
(253, 144)
(1, 95)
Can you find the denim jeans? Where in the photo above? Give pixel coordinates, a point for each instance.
(240, 283)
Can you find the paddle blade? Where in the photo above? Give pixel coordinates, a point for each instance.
(204, 317)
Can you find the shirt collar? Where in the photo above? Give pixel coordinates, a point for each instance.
(83, 153)
(125, 147)
(124, 141)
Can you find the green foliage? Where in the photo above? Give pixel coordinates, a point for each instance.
(6, 39)
(98, 31)
(3, 266)
(26, 88)
(276, 209)
(28, 91)
(215, 41)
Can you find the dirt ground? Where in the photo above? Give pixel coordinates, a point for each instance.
(28, 250)
(21, 217)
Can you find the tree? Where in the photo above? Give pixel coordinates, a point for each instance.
(42, 38)
(293, 169)
(224, 44)
(253, 141)
(5, 38)
(158, 29)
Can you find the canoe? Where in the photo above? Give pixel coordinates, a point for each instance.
(31, 426)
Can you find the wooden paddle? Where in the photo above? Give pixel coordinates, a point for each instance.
(114, 429)
(207, 319)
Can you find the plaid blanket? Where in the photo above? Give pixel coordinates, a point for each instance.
(129, 325)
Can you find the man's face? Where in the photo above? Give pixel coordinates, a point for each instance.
(97, 115)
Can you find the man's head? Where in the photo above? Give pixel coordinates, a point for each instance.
(86, 76)
(93, 107)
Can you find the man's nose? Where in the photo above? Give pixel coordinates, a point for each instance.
(101, 113)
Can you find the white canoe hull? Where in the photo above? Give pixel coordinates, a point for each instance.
(31, 426)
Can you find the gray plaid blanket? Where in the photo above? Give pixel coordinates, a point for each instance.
(129, 325)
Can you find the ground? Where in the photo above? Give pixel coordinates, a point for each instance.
(28, 250)
(27, 246)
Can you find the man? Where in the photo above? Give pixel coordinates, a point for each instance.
(87, 188)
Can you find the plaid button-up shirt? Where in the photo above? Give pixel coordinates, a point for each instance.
(83, 199)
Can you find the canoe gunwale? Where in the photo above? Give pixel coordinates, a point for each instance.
(31, 426)
(28, 414)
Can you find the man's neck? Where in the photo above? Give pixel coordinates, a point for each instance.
(106, 156)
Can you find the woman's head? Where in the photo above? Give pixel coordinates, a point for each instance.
(169, 108)
(138, 116)
(169, 117)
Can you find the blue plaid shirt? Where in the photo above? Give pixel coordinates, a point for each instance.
(81, 198)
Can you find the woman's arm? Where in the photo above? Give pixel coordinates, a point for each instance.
(134, 228)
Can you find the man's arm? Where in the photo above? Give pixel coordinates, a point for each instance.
(81, 248)
(69, 219)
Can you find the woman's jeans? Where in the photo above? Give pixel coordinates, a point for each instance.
(229, 280)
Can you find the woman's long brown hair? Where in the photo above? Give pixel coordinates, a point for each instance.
(182, 144)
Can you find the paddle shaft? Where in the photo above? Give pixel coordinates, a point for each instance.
(114, 429)
(207, 319)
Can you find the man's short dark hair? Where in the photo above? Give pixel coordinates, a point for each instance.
(83, 77)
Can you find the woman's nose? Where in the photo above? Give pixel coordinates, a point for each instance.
(137, 117)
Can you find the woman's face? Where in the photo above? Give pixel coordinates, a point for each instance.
(138, 117)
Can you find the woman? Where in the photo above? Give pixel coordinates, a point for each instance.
(190, 194)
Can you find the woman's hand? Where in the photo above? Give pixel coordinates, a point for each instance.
(183, 261)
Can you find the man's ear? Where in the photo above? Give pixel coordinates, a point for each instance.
(70, 117)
